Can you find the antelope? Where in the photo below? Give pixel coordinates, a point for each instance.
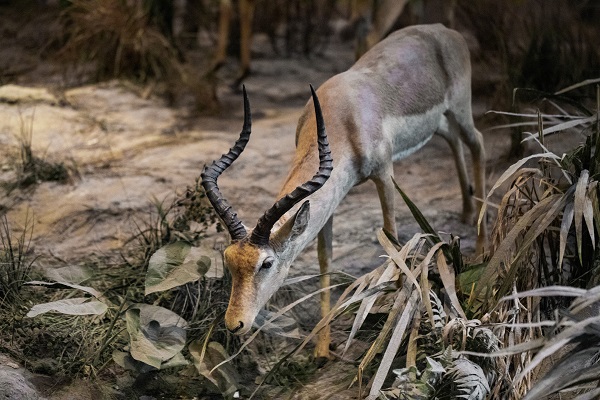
(410, 86)
(373, 20)
(246, 10)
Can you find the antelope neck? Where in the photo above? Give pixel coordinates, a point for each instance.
(322, 204)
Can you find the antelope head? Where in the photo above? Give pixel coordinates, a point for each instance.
(259, 260)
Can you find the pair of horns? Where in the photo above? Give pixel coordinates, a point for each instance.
(260, 235)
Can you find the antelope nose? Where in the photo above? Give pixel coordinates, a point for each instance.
(237, 328)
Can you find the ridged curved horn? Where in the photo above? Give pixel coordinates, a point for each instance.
(260, 234)
(211, 173)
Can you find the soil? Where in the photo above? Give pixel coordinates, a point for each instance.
(128, 148)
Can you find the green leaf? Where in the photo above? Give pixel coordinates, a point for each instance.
(74, 306)
(179, 263)
(469, 277)
(156, 334)
(418, 215)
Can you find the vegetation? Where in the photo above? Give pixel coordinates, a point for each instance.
(15, 260)
(31, 168)
(547, 48)
(121, 38)
(428, 323)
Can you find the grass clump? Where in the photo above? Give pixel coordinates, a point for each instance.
(120, 38)
(30, 169)
(16, 260)
(134, 40)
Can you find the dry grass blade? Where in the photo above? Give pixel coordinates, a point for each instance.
(342, 303)
(592, 297)
(412, 349)
(575, 371)
(565, 226)
(503, 252)
(567, 125)
(547, 291)
(424, 266)
(588, 216)
(537, 228)
(578, 85)
(513, 349)
(556, 343)
(449, 279)
(525, 115)
(377, 346)
(394, 343)
(541, 224)
(399, 257)
(298, 279)
(510, 172)
(593, 196)
(591, 395)
(580, 191)
(367, 303)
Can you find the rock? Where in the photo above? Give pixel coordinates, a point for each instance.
(20, 94)
(14, 384)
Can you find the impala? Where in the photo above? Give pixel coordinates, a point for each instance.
(412, 85)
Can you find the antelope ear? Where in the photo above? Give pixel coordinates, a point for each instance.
(294, 226)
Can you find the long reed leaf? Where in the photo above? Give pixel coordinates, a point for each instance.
(395, 341)
(579, 205)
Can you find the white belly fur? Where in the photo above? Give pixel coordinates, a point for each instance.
(408, 133)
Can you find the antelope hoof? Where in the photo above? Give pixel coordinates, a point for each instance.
(322, 354)
(320, 361)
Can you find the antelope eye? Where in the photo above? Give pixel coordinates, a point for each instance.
(268, 263)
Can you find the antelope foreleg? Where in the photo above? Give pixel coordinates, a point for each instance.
(324, 249)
